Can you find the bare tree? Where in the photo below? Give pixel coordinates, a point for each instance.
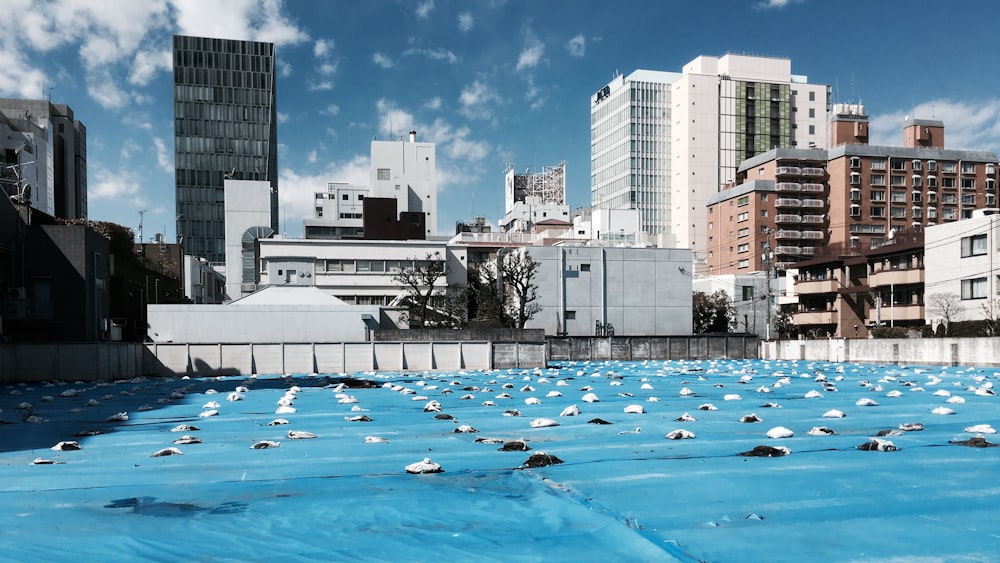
(947, 307)
(506, 292)
(991, 313)
(418, 280)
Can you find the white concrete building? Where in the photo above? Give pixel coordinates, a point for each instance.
(531, 198)
(962, 259)
(750, 296)
(294, 314)
(355, 271)
(247, 219)
(638, 291)
(664, 142)
(405, 171)
(339, 212)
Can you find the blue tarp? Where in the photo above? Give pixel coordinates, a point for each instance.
(623, 489)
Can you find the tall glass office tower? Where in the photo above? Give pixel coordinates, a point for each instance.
(225, 127)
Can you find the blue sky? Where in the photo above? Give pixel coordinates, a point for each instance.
(491, 82)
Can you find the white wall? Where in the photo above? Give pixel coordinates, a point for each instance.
(247, 205)
(258, 323)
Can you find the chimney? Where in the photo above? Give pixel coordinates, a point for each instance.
(413, 136)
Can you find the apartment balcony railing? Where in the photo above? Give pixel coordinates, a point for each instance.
(788, 187)
(783, 234)
(787, 218)
(815, 318)
(813, 219)
(886, 278)
(813, 172)
(788, 202)
(896, 313)
(813, 203)
(814, 287)
(793, 250)
(813, 235)
(808, 250)
(788, 171)
(813, 188)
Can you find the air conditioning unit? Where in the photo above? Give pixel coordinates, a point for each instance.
(14, 309)
(17, 294)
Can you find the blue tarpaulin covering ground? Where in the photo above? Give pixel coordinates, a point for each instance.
(623, 490)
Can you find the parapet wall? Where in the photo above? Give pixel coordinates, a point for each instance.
(983, 352)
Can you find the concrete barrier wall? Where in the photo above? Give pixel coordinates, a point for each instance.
(592, 348)
(983, 352)
(459, 335)
(102, 361)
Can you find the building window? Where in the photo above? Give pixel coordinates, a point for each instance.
(878, 164)
(855, 162)
(744, 232)
(916, 196)
(974, 245)
(319, 211)
(968, 199)
(918, 212)
(743, 216)
(855, 211)
(931, 165)
(897, 165)
(917, 165)
(878, 211)
(855, 178)
(584, 267)
(968, 183)
(878, 195)
(812, 129)
(345, 197)
(878, 179)
(948, 214)
(950, 199)
(812, 112)
(974, 288)
(948, 167)
(897, 212)
(916, 181)
(745, 200)
(361, 197)
(745, 247)
(855, 194)
(743, 264)
(383, 174)
(931, 213)
(898, 196)
(968, 168)
(812, 96)
(948, 183)
(898, 181)
(932, 181)
(570, 315)
(763, 197)
(748, 293)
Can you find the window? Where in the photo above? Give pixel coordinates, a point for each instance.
(974, 245)
(948, 214)
(968, 183)
(743, 216)
(584, 267)
(855, 211)
(917, 181)
(932, 181)
(345, 197)
(743, 263)
(917, 165)
(855, 162)
(570, 315)
(747, 293)
(974, 288)
(990, 184)
(948, 183)
(319, 211)
(855, 194)
(812, 129)
(991, 169)
(949, 199)
(812, 112)
(897, 165)
(744, 232)
(948, 167)
(897, 212)
(745, 247)
(878, 164)
(361, 197)
(763, 197)
(745, 200)
(878, 211)
(763, 212)
(855, 178)
(383, 174)
(812, 96)
(931, 213)
(968, 168)
(898, 181)
(916, 196)
(931, 165)
(878, 195)
(878, 179)
(898, 196)
(917, 212)
(991, 200)
(968, 199)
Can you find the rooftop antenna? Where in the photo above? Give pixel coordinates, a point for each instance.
(141, 213)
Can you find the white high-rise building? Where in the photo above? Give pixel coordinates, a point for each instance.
(405, 171)
(664, 142)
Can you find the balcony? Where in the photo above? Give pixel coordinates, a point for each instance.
(787, 218)
(897, 313)
(787, 202)
(816, 286)
(788, 171)
(886, 278)
(808, 250)
(813, 235)
(813, 188)
(793, 250)
(784, 234)
(813, 172)
(813, 203)
(815, 318)
(813, 219)
(788, 187)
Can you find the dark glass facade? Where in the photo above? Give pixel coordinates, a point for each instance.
(225, 126)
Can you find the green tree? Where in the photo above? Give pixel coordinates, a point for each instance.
(784, 326)
(419, 280)
(712, 313)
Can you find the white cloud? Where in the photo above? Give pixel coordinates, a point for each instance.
(465, 22)
(477, 99)
(969, 124)
(439, 54)
(383, 60)
(577, 46)
(433, 103)
(282, 117)
(331, 110)
(104, 89)
(533, 94)
(327, 69)
(531, 55)
(297, 188)
(392, 121)
(163, 156)
(311, 156)
(322, 47)
(145, 65)
(120, 185)
(777, 4)
(424, 8)
(322, 85)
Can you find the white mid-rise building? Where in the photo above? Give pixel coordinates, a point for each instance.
(664, 142)
(405, 171)
(961, 264)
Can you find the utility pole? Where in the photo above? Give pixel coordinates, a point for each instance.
(141, 213)
(767, 257)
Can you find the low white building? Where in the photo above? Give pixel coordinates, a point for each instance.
(288, 314)
(750, 294)
(962, 266)
(638, 291)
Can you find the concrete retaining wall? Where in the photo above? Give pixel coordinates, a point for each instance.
(103, 361)
(460, 335)
(983, 352)
(695, 347)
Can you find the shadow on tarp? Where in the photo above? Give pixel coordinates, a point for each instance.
(53, 417)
